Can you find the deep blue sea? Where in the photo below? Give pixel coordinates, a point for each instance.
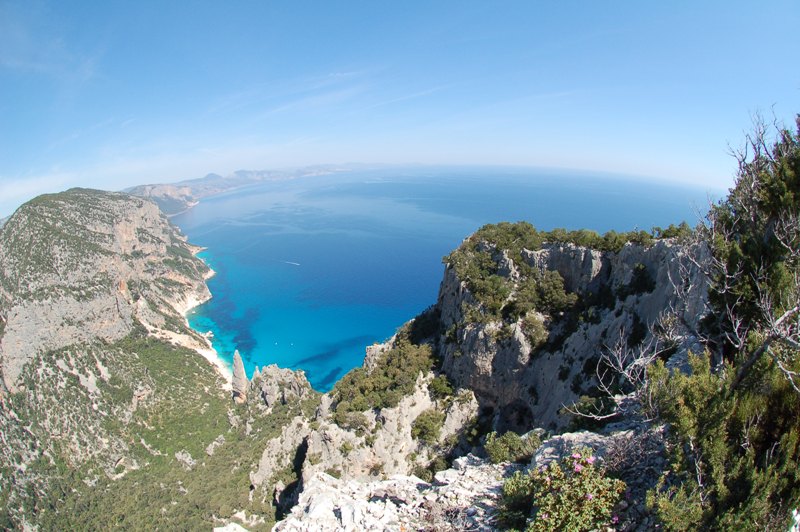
(312, 270)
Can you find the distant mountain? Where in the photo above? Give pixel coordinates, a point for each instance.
(174, 198)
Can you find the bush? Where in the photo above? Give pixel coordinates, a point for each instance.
(511, 447)
(534, 330)
(427, 426)
(571, 495)
(440, 387)
(744, 444)
(393, 378)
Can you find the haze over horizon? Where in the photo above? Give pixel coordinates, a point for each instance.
(114, 95)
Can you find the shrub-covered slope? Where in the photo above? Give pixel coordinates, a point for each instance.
(526, 316)
(106, 420)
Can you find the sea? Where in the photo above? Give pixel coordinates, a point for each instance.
(310, 271)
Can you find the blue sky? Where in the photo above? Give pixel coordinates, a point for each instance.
(113, 94)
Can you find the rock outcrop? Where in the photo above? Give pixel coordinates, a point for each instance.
(278, 386)
(240, 382)
(629, 292)
(95, 370)
(462, 498)
(360, 479)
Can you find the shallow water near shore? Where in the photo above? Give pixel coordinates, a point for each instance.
(311, 271)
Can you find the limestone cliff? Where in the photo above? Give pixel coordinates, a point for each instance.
(87, 265)
(620, 297)
(519, 367)
(98, 385)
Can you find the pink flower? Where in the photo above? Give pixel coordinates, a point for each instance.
(590, 459)
(576, 455)
(615, 519)
(578, 468)
(589, 496)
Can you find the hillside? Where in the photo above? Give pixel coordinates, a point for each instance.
(109, 413)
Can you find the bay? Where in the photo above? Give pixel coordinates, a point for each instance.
(309, 271)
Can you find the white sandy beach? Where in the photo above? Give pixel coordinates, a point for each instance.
(206, 350)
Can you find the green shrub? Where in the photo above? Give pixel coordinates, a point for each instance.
(535, 331)
(393, 378)
(736, 454)
(572, 495)
(422, 472)
(641, 282)
(440, 387)
(511, 447)
(681, 231)
(427, 426)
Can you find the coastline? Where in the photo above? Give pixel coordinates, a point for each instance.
(190, 206)
(206, 349)
(208, 352)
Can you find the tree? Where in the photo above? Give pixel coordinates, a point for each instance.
(734, 424)
(755, 265)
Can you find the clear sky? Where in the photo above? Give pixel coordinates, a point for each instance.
(111, 94)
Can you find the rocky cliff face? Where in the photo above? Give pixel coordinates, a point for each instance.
(621, 297)
(99, 406)
(638, 296)
(87, 265)
(381, 444)
(95, 371)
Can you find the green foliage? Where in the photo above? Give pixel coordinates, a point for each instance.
(572, 495)
(681, 231)
(427, 426)
(440, 387)
(185, 410)
(641, 282)
(610, 241)
(735, 454)
(734, 430)
(425, 326)
(535, 331)
(751, 231)
(393, 378)
(591, 406)
(511, 447)
(552, 296)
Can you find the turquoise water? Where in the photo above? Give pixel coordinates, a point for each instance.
(310, 271)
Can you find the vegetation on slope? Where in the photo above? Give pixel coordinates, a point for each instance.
(181, 412)
(735, 429)
(480, 259)
(112, 430)
(392, 378)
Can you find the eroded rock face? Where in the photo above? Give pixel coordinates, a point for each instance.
(240, 382)
(86, 265)
(527, 387)
(280, 386)
(462, 498)
(87, 280)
